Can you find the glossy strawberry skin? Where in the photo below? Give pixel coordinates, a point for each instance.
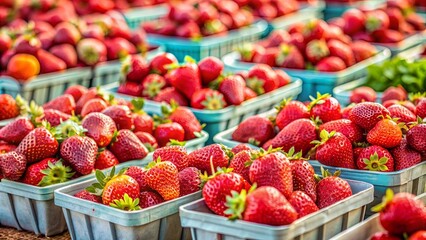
(33, 175)
(117, 187)
(366, 114)
(385, 133)
(186, 79)
(371, 150)
(84, 194)
(80, 153)
(38, 145)
(159, 62)
(336, 152)
(415, 139)
(105, 159)
(143, 123)
(93, 105)
(240, 147)
(404, 156)
(327, 111)
(232, 88)
(64, 103)
(164, 178)
(9, 108)
(149, 198)
(189, 181)
(54, 117)
(302, 203)
(345, 126)
(175, 154)
(304, 178)
(121, 115)
(139, 174)
(187, 120)
(127, 146)
(210, 68)
(331, 190)
(100, 128)
(238, 164)
(201, 158)
(15, 131)
(12, 165)
(255, 129)
(291, 111)
(402, 113)
(167, 131)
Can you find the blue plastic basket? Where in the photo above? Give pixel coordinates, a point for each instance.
(408, 47)
(343, 92)
(314, 81)
(215, 45)
(135, 16)
(333, 10)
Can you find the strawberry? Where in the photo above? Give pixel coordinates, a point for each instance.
(210, 68)
(121, 115)
(267, 57)
(148, 199)
(288, 111)
(330, 64)
(130, 88)
(314, 29)
(135, 68)
(100, 128)
(126, 146)
(255, 130)
(262, 79)
(249, 50)
(168, 131)
(362, 50)
(184, 117)
(119, 47)
(416, 21)
(271, 168)
(118, 187)
(334, 149)
(143, 123)
(93, 106)
(163, 177)
(148, 140)
(189, 29)
(385, 133)
(401, 113)
(186, 78)
(397, 93)
(303, 174)
(376, 20)
(375, 158)
(39, 144)
(316, 50)
(238, 163)
(47, 172)
(298, 134)
(346, 127)
(395, 18)
(366, 114)
(210, 157)
(208, 99)
(404, 156)
(152, 85)
(12, 165)
(384, 236)
(277, 37)
(55, 117)
(170, 93)
(158, 63)
(90, 94)
(189, 181)
(401, 214)
(105, 159)
(218, 187)
(415, 137)
(249, 94)
(354, 21)
(331, 189)
(342, 51)
(407, 104)
(84, 194)
(421, 108)
(5, 147)
(363, 94)
(419, 235)
(15, 131)
(8, 107)
(302, 203)
(289, 57)
(175, 154)
(232, 88)
(387, 36)
(240, 147)
(49, 62)
(139, 174)
(325, 107)
(283, 77)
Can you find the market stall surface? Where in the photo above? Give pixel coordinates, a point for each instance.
(13, 234)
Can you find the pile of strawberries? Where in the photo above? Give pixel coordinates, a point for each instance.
(269, 187)
(9, 107)
(401, 216)
(365, 136)
(391, 24)
(314, 45)
(84, 130)
(84, 7)
(202, 86)
(45, 44)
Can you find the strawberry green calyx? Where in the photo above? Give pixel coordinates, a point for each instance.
(253, 141)
(227, 151)
(138, 104)
(68, 129)
(325, 173)
(385, 201)
(246, 50)
(174, 142)
(97, 188)
(256, 85)
(324, 135)
(153, 88)
(214, 102)
(319, 100)
(376, 164)
(34, 111)
(126, 203)
(236, 203)
(153, 163)
(372, 24)
(283, 103)
(284, 49)
(126, 65)
(292, 155)
(414, 97)
(361, 144)
(55, 173)
(22, 104)
(256, 154)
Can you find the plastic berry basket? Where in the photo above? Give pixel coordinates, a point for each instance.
(215, 45)
(323, 224)
(343, 92)
(333, 10)
(45, 87)
(135, 16)
(88, 220)
(314, 81)
(408, 47)
(367, 228)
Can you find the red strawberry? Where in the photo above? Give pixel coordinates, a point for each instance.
(407, 104)
(205, 157)
(158, 63)
(92, 93)
(262, 79)
(186, 78)
(316, 50)
(8, 107)
(354, 20)
(189, 181)
(138, 173)
(387, 36)
(376, 19)
(288, 111)
(152, 85)
(342, 51)
(135, 68)
(419, 235)
(362, 50)
(346, 127)
(334, 149)
(415, 137)
(163, 177)
(170, 93)
(148, 199)
(175, 154)
(232, 88)
(168, 131)
(314, 29)
(366, 114)
(375, 158)
(402, 113)
(66, 53)
(248, 51)
(331, 189)
(363, 94)
(240, 147)
(100, 128)
(38, 145)
(12, 165)
(303, 174)
(15, 131)
(385, 133)
(185, 118)
(64, 103)
(130, 88)
(421, 108)
(47, 172)
(255, 130)
(249, 94)
(143, 123)
(302, 203)
(397, 93)
(298, 134)
(289, 57)
(363, 36)
(267, 57)
(189, 29)
(210, 68)
(278, 37)
(5, 147)
(404, 156)
(395, 18)
(91, 51)
(238, 163)
(55, 117)
(80, 153)
(93, 106)
(330, 64)
(121, 115)
(208, 99)
(325, 107)
(384, 236)
(49, 62)
(126, 146)
(84, 194)
(118, 48)
(105, 159)
(416, 21)
(117, 188)
(283, 77)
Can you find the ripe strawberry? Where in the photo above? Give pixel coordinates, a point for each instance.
(283, 77)
(366, 114)
(384, 236)
(298, 134)
(12, 165)
(362, 50)
(6, 147)
(375, 158)
(152, 85)
(38, 145)
(218, 187)
(232, 88)
(354, 20)
(126, 146)
(330, 64)
(84, 194)
(135, 68)
(334, 149)
(302, 203)
(130, 88)
(249, 94)
(397, 93)
(118, 187)
(47, 172)
(208, 99)
(401, 113)
(288, 111)
(100, 128)
(105, 159)
(255, 130)
(289, 57)
(158, 63)
(90, 94)
(249, 50)
(184, 117)
(15, 131)
(93, 105)
(175, 154)
(148, 140)
(54, 117)
(148, 199)
(8, 107)
(163, 177)
(189, 181)
(325, 107)
(64, 103)
(303, 174)
(404, 156)
(407, 104)
(238, 163)
(240, 147)
(143, 123)
(80, 153)
(376, 20)
(342, 51)
(277, 37)
(346, 127)
(363, 94)
(316, 50)
(387, 36)
(262, 79)
(267, 57)
(419, 235)
(271, 168)
(121, 115)
(139, 174)
(186, 78)
(203, 158)
(416, 137)
(314, 29)
(168, 131)
(170, 93)
(76, 91)
(401, 213)
(386, 133)
(421, 108)
(210, 68)
(331, 189)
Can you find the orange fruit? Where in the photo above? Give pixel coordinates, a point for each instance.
(23, 66)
